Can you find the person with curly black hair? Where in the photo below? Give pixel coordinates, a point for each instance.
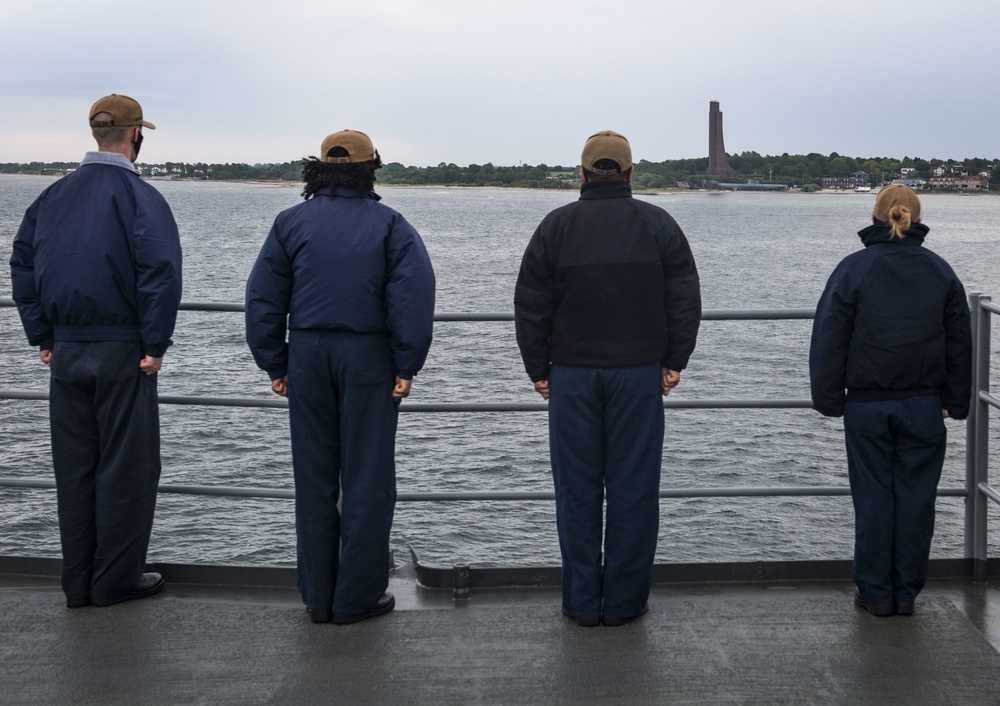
(351, 282)
(319, 174)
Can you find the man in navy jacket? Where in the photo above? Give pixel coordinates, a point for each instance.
(350, 281)
(96, 274)
(607, 310)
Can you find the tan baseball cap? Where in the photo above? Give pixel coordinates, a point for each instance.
(358, 145)
(125, 112)
(607, 145)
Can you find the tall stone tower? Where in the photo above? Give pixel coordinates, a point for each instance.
(718, 165)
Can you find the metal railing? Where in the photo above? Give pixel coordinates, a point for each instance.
(976, 490)
(977, 437)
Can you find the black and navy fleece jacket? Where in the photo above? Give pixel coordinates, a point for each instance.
(893, 323)
(607, 281)
(341, 261)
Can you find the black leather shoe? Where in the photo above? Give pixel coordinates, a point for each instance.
(904, 608)
(613, 622)
(584, 621)
(319, 615)
(882, 610)
(149, 585)
(78, 602)
(386, 603)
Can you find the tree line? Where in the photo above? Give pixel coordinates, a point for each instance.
(793, 170)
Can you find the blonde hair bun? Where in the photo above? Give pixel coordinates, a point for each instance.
(897, 205)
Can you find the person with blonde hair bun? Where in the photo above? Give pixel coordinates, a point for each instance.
(891, 353)
(898, 206)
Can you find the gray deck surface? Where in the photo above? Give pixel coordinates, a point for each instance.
(801, 643)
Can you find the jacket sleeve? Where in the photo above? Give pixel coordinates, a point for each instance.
(156, 252)
(534, 304)
(830, 343)
(409, 297)
(682, 302)
(956, 395)
(22, 277)
(269, 292)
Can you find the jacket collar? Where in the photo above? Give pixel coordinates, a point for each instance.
(348, 193)
(112, 158)
(881, 233)
(606, 190)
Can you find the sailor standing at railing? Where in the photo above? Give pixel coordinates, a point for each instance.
(891, 353)
(607, 310)
(96, 274)
(351, 281)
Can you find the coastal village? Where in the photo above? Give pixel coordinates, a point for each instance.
(945, 177)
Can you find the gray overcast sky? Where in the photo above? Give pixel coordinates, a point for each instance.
(505, 82)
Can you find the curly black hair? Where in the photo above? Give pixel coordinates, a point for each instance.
(359, 176)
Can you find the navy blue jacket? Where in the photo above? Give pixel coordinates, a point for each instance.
(606, 281)
(98, 258)
(893, 322)
(344, 262)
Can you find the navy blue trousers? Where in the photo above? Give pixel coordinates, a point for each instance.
(895, 452)
(106, 456)
(343, 430)
(606, 437)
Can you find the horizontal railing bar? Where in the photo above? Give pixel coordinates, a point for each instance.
(474, 316)
(437, 406)
(759, 314)
(706, 315)
(23, 395)
(989, 492)
(502, 495)
(213, 490)
(189, 400)
(212, 306)
(989, 399)
(990, 306)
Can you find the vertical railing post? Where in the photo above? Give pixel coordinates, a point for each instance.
(980, 435)
(970, 435)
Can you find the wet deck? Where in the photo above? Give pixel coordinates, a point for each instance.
(740, 643)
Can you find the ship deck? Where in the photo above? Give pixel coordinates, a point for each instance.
(742, 642)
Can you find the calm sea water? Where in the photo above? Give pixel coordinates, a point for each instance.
(753, 250)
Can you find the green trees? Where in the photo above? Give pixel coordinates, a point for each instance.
(44, 168)
(525, 175)
(784, 169)
(650, 181)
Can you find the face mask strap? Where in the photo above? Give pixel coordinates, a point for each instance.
(137, 144)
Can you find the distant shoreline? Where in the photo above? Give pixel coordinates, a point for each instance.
(637, 192)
